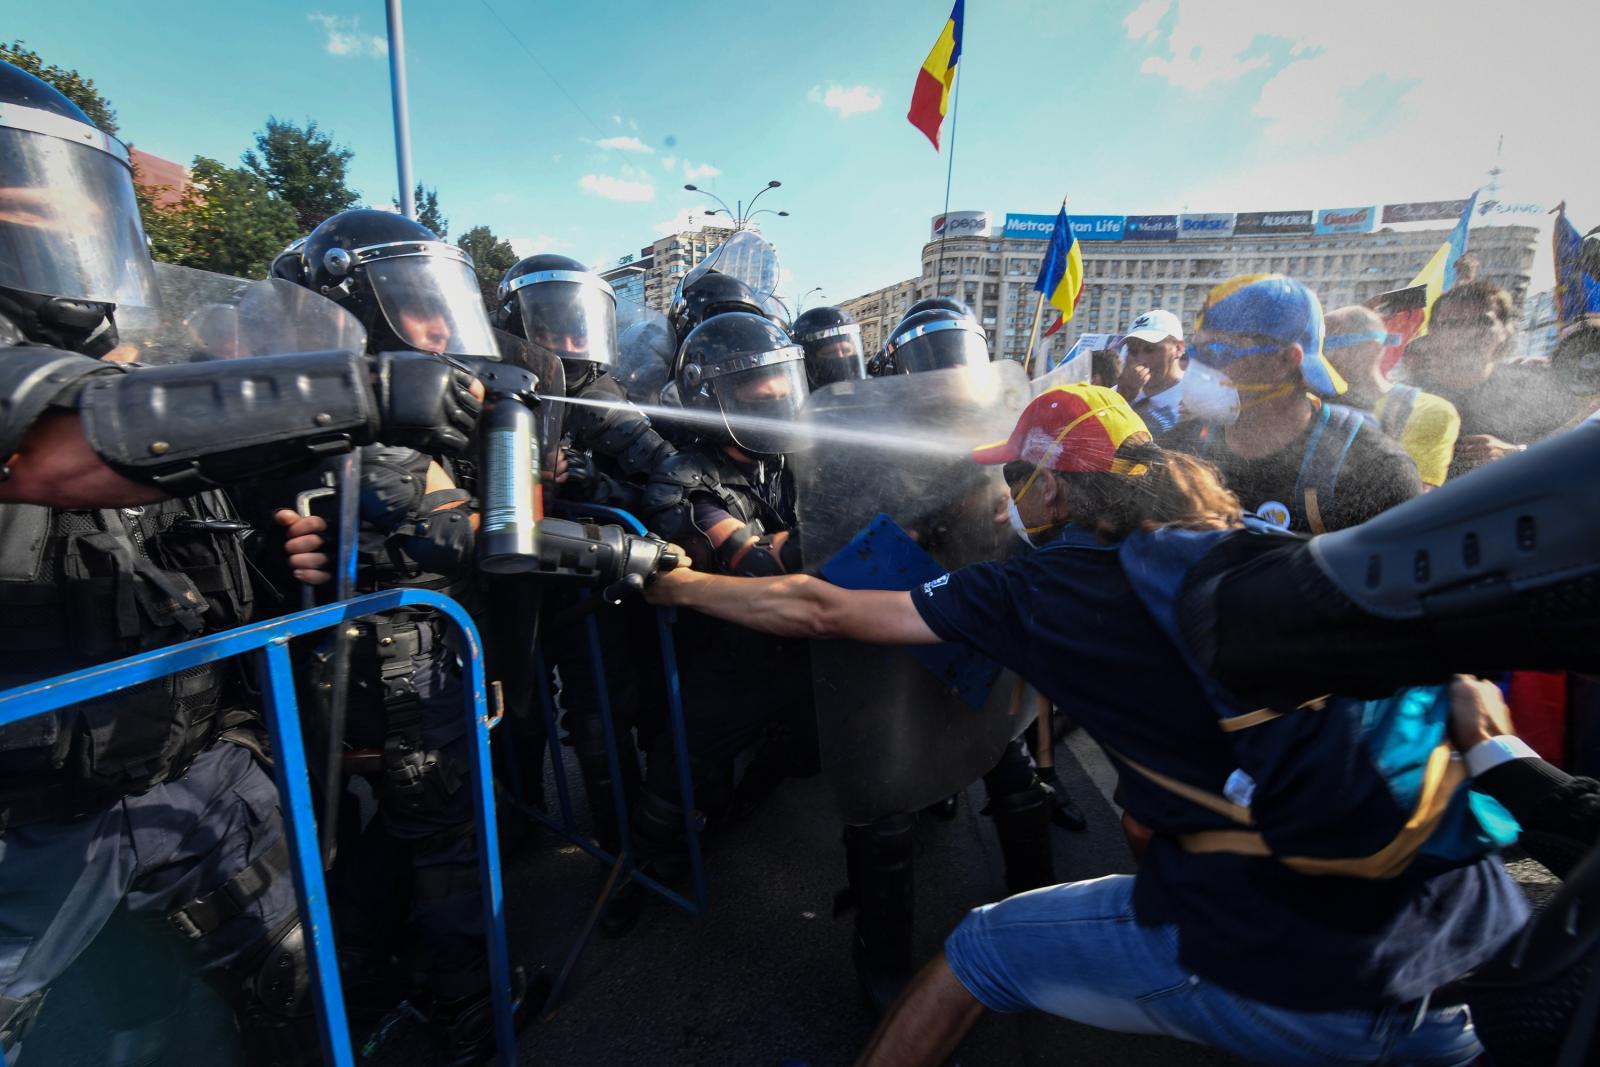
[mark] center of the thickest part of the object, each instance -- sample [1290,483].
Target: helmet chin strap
[82,326]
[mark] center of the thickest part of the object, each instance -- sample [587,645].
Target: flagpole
[1038,311]
[949,174]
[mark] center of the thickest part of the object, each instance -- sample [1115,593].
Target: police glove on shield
[426,402]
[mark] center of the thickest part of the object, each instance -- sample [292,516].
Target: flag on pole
[1406,310]
[1440,273]
[1061,320]
[1576,293]
[1061,275]
[930,99]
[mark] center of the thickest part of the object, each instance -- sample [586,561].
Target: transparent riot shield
[645,352]
[899,731]
[217,316]
[747,256]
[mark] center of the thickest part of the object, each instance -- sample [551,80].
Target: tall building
[1135,263]
[879,310]
[1540,331]
[652,276]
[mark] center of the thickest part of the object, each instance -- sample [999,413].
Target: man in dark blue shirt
[1237,951]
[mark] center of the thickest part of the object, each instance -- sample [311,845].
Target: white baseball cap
[1155,326]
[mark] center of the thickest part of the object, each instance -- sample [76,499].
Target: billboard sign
[1150,228]
[1347,219]
[1424,211]
[1084,227]
[1216,224]
[1272,223]
[961,224]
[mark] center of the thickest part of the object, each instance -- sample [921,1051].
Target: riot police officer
[952,349]
[116,541]
[832,341]
[729,500]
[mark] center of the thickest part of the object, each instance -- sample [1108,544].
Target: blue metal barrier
[293,776]
[624,867]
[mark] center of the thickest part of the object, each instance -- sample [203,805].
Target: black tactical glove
[425,402]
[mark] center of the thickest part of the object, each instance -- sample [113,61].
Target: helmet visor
[69,223]
[570,315]
[939,345]
[760,406]
[835,355]
[433,304]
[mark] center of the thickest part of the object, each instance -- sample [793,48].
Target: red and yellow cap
[1071,428]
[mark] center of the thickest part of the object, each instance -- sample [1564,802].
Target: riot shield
[899,730]
[644,352]
[747,256]
[216,316]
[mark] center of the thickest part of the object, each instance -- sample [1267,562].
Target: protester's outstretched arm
[797,605]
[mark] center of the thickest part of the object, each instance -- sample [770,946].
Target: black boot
[658,835]
[879,859]
[1063,812]
[466,1023]
[1022,820]
[586,734]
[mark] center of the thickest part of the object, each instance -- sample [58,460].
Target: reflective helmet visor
[432,302]
[760,406]
[834,355]
[69,223]
[570,314]
[937,345]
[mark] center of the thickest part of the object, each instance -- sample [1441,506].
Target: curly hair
[1177,490]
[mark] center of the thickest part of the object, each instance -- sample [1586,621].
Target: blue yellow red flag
[1440,273]
[930,99]
[1061,274]
[1576,293]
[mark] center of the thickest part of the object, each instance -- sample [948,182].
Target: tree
[228,221]
[73,86]
[302,167]
[491,258]
[428,213]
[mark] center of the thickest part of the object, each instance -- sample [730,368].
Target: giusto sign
[1218,224]
[1271,223]
[1150,228]
[1347,219]
[961,224]
[1505,207]
[1084,227]
[1424,211]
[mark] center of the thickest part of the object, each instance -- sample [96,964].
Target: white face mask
[1017,525]
[1209,396]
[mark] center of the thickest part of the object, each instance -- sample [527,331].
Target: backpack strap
[1394,409]
[1334,431]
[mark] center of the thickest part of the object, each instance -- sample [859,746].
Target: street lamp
[739,215]
[800,305]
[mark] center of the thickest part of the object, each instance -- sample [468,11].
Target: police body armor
[79,588]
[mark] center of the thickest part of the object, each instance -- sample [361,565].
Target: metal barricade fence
[281,710]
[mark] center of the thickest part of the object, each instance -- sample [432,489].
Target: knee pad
[274,1000]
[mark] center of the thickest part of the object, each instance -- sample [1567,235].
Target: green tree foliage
[73,86]
[228,221]
[428,213]
[491,258]
[303,168]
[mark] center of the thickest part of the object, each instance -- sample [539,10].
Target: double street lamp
[742,213]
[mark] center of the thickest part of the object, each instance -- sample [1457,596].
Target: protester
[1105,367]
[1239,951]
[1504,407]
[1425,425]
[1575,364]
[1152,376]
[1259,400]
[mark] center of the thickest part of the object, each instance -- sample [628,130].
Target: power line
[540,64]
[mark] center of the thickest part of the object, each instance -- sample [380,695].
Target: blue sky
[1131,107]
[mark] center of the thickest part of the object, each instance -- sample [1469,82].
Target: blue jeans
[1075,951]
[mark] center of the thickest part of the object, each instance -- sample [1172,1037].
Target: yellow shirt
[1426,427]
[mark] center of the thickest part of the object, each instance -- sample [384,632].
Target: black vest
[79,588]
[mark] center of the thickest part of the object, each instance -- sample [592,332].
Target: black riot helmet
[713,293]
[832,342]
[560,306]
[934,340]
[72,248]
[408,288]
[939,303]
[743,367]
[289,265]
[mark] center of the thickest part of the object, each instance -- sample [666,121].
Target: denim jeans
[1075,951]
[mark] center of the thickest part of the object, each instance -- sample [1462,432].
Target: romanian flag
[1061,275]
[931,97]
[1576,293]
[1440,273]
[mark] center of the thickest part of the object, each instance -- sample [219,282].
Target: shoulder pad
[34,378]
[678,476]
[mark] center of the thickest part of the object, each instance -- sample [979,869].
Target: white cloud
[617,119]
[853,100]
[695,171]
[528,246]
[1387,101]
[624,144]
[346,39]
[669,162]
[685,220]
[611,188]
